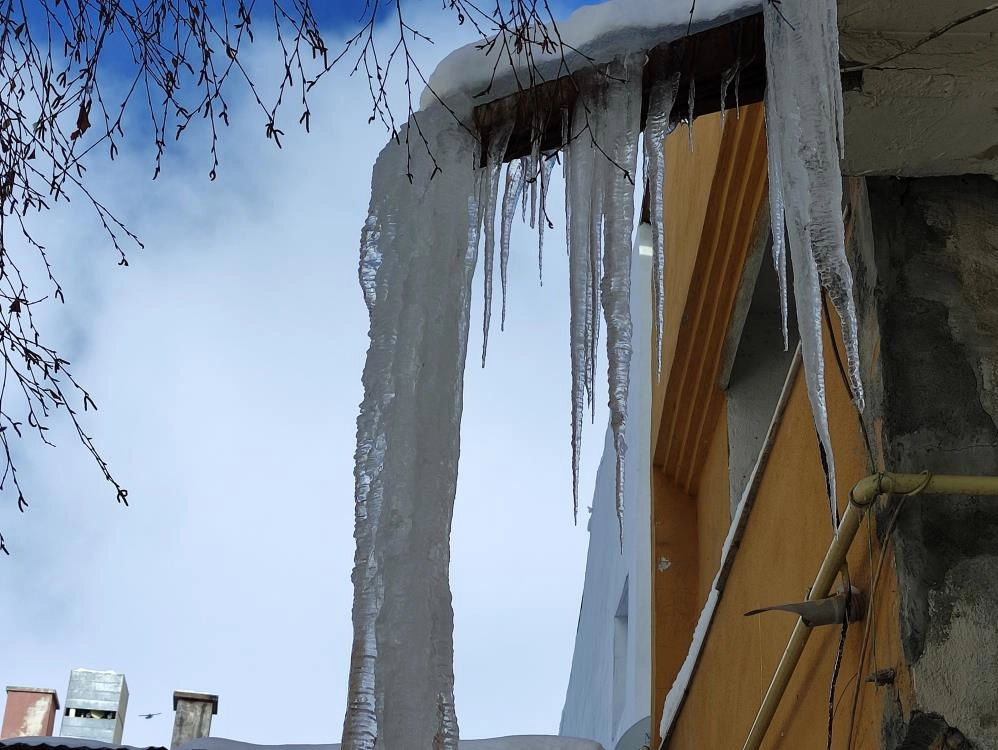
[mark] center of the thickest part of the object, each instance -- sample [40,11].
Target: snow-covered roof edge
[598,32]
[68,743]
[517,742]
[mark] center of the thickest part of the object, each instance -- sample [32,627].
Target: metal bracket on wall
[832,610]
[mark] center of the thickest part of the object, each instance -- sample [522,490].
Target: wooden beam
[701,59]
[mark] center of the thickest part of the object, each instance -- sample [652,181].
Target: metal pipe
[861,498]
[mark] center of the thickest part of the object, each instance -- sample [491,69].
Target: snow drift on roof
[598,32]
[65,743]
[524,742]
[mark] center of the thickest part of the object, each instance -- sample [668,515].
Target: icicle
[600,168]
[525,168]
[691,100]
[661,100]
[513,192]
[546,170]
[578,165]
[804,114]
[401,673]
[620,136]
[777,213]
[566,139]
[600,215]
[497,150]
[537,133]
[370,260]
[727,77]
[738,88]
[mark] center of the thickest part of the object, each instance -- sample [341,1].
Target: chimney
[95,706]
[193,719]
[30,712]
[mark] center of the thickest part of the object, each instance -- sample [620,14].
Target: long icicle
[620,133]
[804,116]
[777,214]
[416,279]
[578,164]
[496,151]
[512,194]
[661,101]
[546,170]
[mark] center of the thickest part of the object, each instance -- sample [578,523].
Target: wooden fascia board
[701,58]
[692,395]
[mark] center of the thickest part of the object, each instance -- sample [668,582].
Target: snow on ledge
[67,743]
[600,32]
[518,742]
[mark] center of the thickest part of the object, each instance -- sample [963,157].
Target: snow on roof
[598,32]
[64,743]
[524,742]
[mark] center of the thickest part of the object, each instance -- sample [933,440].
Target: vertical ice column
[513,192]
[804,120]
[488,192]
[416,276]
[602,161]
[661,99]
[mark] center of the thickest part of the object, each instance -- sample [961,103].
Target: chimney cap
[47,691]
[190,695]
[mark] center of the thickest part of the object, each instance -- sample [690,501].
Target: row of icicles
[598,162]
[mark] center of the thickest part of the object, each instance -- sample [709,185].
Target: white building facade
[610,683]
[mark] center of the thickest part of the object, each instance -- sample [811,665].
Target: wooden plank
[701,58]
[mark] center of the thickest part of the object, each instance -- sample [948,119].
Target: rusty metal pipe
[862,496]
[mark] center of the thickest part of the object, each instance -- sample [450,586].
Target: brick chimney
[30,712]
[193,718]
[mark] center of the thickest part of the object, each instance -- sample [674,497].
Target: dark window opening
[758,371]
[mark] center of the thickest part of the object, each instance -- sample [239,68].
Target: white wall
[590,704]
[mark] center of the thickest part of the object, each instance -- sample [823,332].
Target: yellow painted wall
[785,539]
[713,506]
[675,577]
[687,192]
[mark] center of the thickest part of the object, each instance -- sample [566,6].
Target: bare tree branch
[71,70]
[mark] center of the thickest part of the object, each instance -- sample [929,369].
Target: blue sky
[226,363]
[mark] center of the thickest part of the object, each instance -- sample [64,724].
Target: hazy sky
[226,363]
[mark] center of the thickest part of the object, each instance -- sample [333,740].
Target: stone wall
[933,285]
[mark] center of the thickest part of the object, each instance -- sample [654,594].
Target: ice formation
[619,135]
[488,196]
[597,32]
[657,126]
[416,276]
[545,178]
[805,133]
[515,178]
